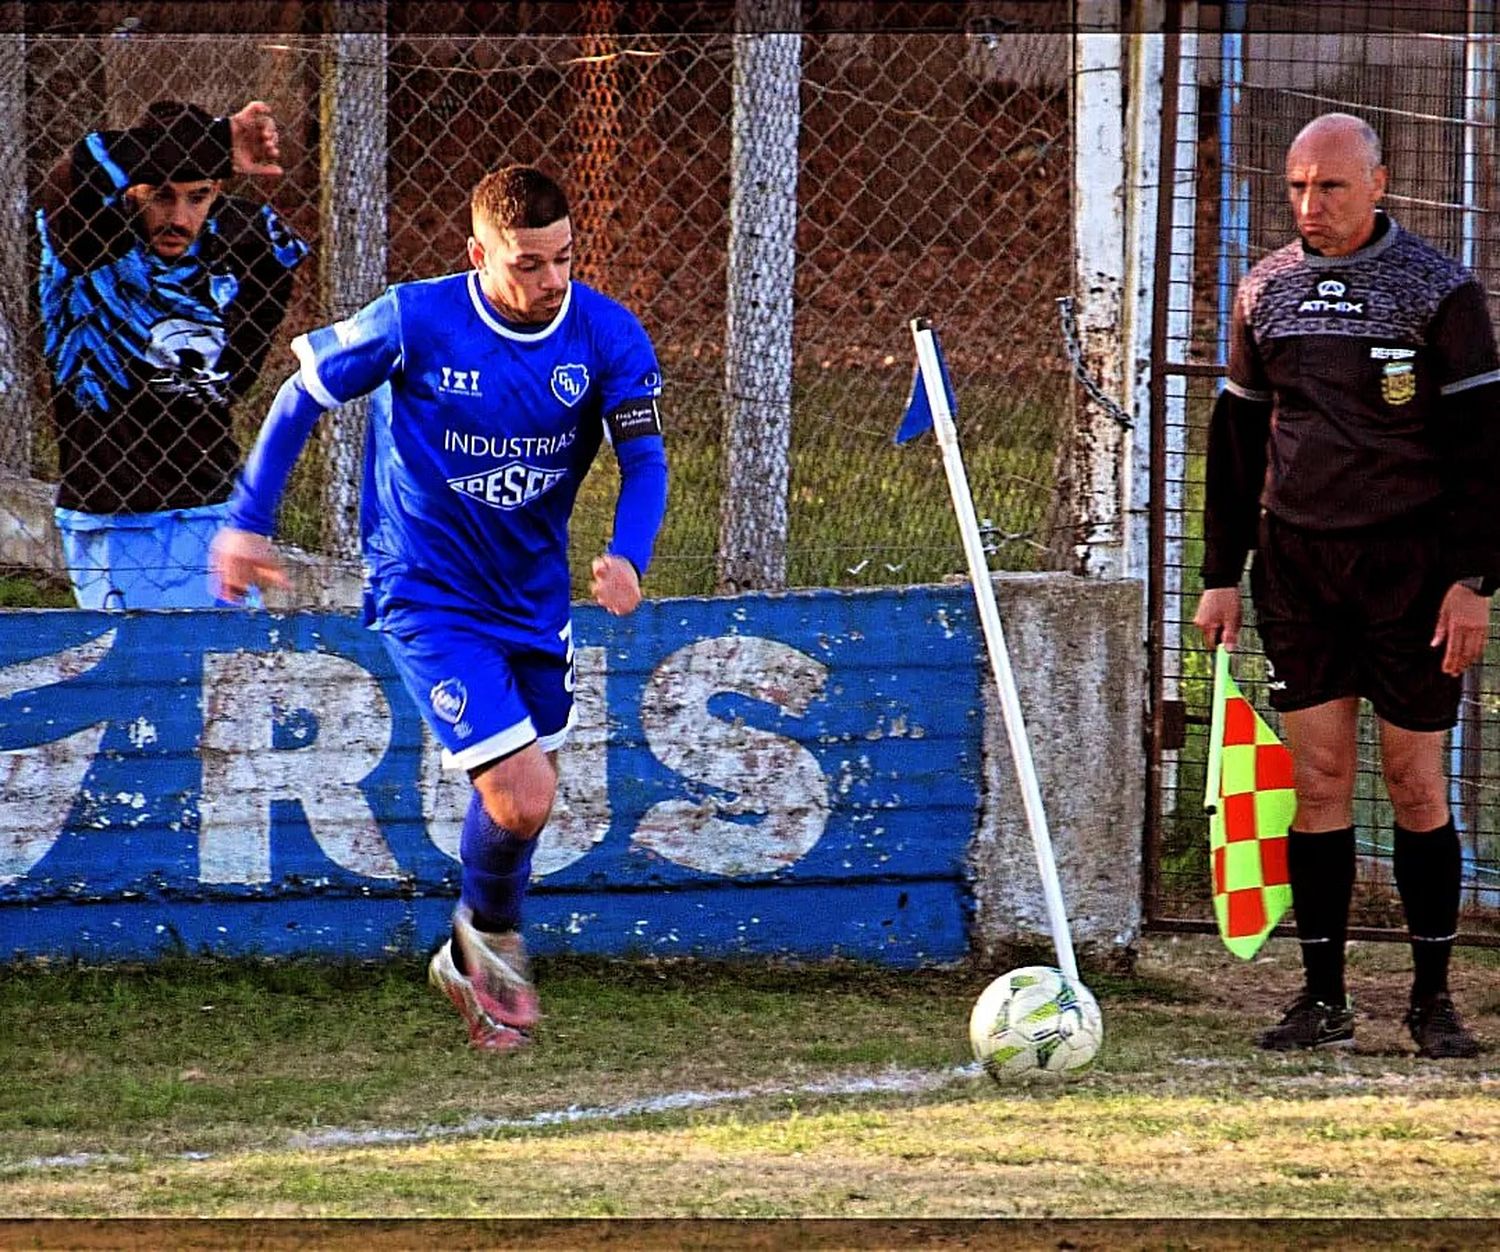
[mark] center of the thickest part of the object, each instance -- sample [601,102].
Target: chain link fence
[775,201]
[1248,78]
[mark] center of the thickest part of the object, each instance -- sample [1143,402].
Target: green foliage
[35,589]
[862,511]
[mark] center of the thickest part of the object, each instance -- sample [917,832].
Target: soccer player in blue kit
[492,391]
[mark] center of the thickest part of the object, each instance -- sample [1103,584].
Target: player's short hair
[518,197]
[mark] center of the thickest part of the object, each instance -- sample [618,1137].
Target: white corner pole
[994,636]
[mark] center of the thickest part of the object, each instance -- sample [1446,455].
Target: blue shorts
[141,560]
[485,697]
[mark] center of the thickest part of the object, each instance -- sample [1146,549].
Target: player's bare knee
[522,813]
[519,791]
[531,814]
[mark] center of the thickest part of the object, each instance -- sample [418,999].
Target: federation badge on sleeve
[1398,382]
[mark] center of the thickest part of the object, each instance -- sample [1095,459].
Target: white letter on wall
[38,785]
[243,772]
[763,774]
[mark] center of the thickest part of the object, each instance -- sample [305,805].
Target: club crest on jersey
[1331,299]
[1398,382]
[449,699]
[459,382]
[569,382]
[508,486]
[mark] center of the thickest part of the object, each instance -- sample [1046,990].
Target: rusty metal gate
[1241,80]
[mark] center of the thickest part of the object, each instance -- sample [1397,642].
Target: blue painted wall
[794,775]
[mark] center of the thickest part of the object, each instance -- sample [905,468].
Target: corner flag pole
[931,369]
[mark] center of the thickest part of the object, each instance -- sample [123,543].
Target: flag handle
[989,618]
[1216,732]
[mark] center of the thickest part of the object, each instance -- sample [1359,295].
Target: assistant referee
[1356,449]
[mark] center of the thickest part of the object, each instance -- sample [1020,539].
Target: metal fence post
[352,255]
[17,398]
[761,269]
[1143,192]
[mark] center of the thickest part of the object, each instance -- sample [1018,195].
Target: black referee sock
[1321,869]
[1428,867]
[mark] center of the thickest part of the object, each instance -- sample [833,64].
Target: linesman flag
[1250,805]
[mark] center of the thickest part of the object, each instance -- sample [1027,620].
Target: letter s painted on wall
[756,773]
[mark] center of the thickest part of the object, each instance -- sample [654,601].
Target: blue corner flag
[918,416]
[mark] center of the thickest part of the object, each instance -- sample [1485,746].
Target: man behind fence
[1356,448]
[159,297]
[493,390]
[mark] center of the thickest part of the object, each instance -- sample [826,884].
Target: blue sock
[496,869]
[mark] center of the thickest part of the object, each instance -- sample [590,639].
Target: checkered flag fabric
[1250,805]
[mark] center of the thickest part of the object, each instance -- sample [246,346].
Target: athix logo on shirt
[1331,300]
[507,486]
[459,382]
[569,382]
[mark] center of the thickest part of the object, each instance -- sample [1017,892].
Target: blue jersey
[480,435]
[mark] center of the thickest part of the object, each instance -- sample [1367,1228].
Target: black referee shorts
[1351,613]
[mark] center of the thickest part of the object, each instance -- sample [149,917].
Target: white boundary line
[890,1082]
[893,1081]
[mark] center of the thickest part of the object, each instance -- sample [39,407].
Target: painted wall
[792,775]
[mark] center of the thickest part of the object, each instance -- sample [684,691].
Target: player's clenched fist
[239,560]
[615,585]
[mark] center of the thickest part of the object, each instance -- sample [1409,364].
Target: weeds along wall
[774,210]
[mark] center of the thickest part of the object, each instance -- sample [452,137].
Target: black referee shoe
[1311,1023]
[1438,1030]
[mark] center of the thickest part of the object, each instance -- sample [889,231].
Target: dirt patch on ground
[1379,978]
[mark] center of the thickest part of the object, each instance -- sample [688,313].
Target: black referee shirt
[1362,358]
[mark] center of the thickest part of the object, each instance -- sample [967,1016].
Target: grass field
[748,1091]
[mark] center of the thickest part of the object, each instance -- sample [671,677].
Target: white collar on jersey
[487,314]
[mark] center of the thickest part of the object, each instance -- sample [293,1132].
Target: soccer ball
[1035,1018]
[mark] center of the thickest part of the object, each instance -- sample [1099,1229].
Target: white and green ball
[1035,1019]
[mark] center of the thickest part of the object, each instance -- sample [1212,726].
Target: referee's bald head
[1345,126]
[1334,181]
